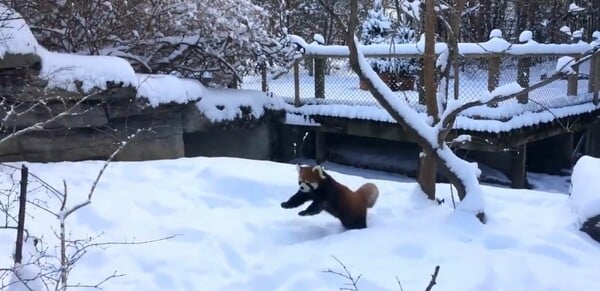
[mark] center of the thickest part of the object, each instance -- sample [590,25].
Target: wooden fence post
[518,167]
[596,98]
[297,83]
[572,83]
[592,73]
[523,72]
[320,67]
[21,221]
[493,75]
[264,82]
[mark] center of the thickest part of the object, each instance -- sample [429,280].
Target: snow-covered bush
[229,38]
[377,28]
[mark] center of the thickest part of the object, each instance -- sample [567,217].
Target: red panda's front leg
[313,209]
[296,200]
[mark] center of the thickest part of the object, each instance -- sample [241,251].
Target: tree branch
[433,278]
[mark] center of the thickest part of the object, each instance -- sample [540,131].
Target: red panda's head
[309,177]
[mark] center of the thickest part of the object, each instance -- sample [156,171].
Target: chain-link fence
[340,85]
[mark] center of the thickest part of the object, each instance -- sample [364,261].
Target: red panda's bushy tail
[369,193]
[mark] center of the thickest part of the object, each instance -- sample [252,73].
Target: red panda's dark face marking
[309,178]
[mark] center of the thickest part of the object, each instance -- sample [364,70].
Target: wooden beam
[321,146]
[518,170]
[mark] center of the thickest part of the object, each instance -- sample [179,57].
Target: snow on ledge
[15,35]
[585,192]
[161,89]
[62,70]
[221,104]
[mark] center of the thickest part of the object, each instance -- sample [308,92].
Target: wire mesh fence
[340,85]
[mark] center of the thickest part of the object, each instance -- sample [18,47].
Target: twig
[346,275]
[97,286]
[433,278]
[399,283]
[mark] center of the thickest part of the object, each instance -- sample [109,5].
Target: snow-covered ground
[233,235]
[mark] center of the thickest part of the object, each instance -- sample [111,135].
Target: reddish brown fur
[350,207]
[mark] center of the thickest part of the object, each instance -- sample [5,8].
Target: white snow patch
[496,33]
[525,36]
[300,119]
[565,65]
[235,235]
[504,90]
[575,8]
[63,70]
[585,192]
[224,104]
[161,89]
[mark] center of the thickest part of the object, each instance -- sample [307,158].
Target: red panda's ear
[319,168]
[298,167]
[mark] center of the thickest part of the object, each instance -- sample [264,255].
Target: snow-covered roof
[503,118]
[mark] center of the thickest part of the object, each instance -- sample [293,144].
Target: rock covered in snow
[585,191]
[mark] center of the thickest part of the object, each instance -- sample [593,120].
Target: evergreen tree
[377,27]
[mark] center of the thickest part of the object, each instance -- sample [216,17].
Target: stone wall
[94,129]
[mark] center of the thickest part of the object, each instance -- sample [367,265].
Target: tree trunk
[427,174]
[428,168]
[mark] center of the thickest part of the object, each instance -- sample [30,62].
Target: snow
[493,45]
[221,104]
[504,90]
[319,38]
[62,70]
[525,36]
[26,276]
[575,8]
[299,119]
[161,89]
[15,35]
[233,235]
[496,33]
[585,192]
[565,65]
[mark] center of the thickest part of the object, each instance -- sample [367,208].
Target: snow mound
[15,35]
[585,192]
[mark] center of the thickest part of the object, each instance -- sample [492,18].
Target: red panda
[350,207]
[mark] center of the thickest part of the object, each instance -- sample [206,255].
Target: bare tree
[38,265]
